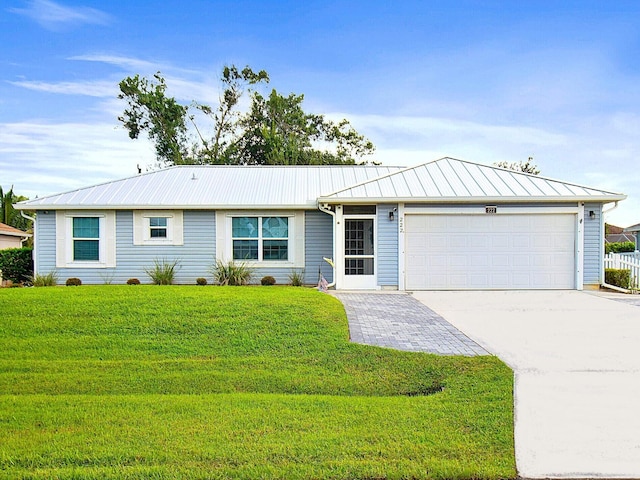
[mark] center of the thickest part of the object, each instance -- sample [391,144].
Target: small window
[158,227]
[260,238]
[86,239]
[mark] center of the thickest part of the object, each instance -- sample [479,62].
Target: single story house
[446,224]
[11,237]
[634,230]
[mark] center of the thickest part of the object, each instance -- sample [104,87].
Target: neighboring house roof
[633,228]
[619,237]
[12,232]
[237,187]
[219,186]
[455,180]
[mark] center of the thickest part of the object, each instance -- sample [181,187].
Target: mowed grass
[233,382]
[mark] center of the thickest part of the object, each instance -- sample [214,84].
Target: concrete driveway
[576,358]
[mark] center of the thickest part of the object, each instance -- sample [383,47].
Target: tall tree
[8,214]
[161,117]
[275,129]
[525,167]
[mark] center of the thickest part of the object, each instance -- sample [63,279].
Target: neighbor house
[446,224]
[634,231]
[11,237]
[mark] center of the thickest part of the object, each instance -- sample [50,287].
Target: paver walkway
[400,321]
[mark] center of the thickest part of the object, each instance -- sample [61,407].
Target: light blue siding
[387,252]
[45,242]
[318,244]
[195,257]
[593,247]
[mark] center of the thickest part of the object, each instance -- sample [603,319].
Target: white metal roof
[452,180]
[215,186]
[250,187]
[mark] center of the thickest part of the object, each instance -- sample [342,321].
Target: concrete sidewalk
[576,358]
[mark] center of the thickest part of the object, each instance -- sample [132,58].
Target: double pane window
[86,239]
[158,227]
[260,238]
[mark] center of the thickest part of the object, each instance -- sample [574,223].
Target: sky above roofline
[476,80]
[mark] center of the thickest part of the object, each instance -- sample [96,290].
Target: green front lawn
[245,382]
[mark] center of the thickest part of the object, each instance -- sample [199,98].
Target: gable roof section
[12,232]
[220,186]
[452,180]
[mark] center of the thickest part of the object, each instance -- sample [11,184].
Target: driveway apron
[576,358]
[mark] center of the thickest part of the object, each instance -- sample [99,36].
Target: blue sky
[484,81]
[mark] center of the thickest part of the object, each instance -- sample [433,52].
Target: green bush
[231,273]
[163,271]
[201,281]
[133,281]
[618,277]
[16,264]
[296,277]
[47,280]
[268,280]
[618,247]
[73,282]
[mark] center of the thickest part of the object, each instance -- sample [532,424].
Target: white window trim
[142,227]
[64,239]
[296,253]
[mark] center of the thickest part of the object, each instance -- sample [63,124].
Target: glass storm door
[359,255]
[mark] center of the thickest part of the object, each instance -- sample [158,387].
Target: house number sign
[490,209]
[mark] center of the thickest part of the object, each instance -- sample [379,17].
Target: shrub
[163,272]
[618,277]
[231,273]
[73,282]
[268,280]
[296,277]
[47,280]
[201,281]
[133,281]
[16,264]
[618,247]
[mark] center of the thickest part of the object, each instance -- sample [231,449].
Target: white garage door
[450,252]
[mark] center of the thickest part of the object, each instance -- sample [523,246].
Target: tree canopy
[525,167]
[275,130]
[8,214]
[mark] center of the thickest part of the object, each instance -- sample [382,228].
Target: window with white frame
[85,239]
[260,238]
[156,227]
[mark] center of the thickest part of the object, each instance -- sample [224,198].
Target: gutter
[324,207]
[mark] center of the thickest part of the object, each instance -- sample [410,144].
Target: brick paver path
[400,321]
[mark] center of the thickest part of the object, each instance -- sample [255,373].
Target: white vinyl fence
[625,261]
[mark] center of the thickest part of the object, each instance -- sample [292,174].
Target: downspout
[324,207]
[33,253]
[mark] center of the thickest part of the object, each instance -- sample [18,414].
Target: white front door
[359,252]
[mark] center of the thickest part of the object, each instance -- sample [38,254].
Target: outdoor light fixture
[592,214]
[391,216]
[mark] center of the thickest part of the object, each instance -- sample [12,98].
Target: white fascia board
[310,206]
[515,199]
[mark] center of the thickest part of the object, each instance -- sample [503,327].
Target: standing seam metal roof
[251,187]
[458,180]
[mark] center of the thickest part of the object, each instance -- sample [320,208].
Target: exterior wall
[593,245]
[196,256]
[318,244]
[387,246]
[9,241]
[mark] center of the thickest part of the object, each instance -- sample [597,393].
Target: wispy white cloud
[127,63]
[54,16]
[94,88]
